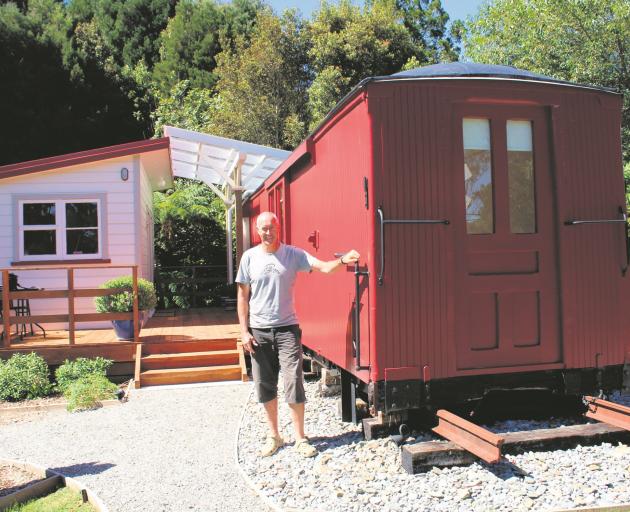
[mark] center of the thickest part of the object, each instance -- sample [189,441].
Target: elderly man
[269,325]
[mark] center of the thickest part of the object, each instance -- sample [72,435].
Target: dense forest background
[80,74]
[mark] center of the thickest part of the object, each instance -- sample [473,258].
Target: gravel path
[165,450]
[350,474]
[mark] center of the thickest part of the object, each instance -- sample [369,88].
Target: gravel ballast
[167,449]
[352,474]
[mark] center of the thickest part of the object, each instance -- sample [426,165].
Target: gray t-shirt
[271,277]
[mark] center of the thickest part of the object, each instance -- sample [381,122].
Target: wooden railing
[70,293]
[190,282]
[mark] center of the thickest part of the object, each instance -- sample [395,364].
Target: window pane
[478,176]
[521,177]
[82,241]
[81,215]
[40,242]
[38,214]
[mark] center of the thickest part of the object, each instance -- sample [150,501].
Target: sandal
[305,448]
[272,445]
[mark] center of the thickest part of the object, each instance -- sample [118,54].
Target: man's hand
[351,257]
[248,342]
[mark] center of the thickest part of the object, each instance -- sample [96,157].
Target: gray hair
[265,216]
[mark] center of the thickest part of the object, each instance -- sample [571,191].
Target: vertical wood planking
[6,311]
[71,323]
[136,315]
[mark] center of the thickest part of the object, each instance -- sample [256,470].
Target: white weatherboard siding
[119,224]
[145,233]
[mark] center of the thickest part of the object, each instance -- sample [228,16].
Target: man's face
[268,230]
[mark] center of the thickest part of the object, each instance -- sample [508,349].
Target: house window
[65,229]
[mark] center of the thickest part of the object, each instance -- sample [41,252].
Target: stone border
[266,499]
[44,487]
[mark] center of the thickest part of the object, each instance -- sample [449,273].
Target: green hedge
[87,392]
[71,371]
[24,376]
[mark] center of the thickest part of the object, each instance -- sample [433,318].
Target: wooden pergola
[233,169]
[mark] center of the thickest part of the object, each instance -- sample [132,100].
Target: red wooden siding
[415,320]
[328,215]
[590,186]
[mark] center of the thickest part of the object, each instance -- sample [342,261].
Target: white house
[95,207]
[85,208]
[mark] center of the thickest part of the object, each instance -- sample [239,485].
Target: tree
[190,222]
[350,43]
[584,41]
[261,89]
[193,38]
[129,28]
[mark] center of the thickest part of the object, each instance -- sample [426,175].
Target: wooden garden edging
[70,293]
[52,480]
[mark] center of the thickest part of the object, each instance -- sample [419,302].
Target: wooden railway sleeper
[607,412]
[472,438]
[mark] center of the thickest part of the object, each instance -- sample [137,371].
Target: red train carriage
[488,206]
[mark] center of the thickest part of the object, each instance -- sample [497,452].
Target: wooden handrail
[70,294]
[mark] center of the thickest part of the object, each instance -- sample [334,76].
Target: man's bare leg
[297,415]
[271,408]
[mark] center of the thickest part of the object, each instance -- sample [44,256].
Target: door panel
[506,299]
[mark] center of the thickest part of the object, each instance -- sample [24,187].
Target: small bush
[71,371]
[123,302]
[87,392]
[24,376]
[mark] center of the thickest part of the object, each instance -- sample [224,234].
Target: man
[269,326]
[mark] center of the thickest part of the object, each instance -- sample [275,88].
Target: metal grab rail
[384,221]
[356,331]
[623,219]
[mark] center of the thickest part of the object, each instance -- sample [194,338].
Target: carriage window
[478,176]
[521,177]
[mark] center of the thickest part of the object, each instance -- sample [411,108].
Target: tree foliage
[585,41]
[194,37]
[261,92]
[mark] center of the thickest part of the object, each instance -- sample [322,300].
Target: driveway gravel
[167,449]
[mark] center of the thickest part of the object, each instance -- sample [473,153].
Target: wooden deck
[192,325]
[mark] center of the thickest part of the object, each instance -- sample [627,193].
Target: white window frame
[59,227]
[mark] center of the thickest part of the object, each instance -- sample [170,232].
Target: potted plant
[123,302]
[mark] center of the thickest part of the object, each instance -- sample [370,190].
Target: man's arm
[242,307]
[328,267]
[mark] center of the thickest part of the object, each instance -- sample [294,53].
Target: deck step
[191,375]
[190,359]
[179,346]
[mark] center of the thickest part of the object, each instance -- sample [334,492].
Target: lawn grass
[63,500]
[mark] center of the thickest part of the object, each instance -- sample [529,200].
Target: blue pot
[123,329]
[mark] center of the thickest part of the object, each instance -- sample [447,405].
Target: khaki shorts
[279,350]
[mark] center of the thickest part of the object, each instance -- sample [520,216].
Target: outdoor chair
[20,307]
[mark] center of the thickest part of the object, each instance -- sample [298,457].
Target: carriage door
[506,285]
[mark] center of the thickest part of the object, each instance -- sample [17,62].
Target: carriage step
[191,375]
[190,359]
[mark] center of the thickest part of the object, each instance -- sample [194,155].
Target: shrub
[87,392]
[123,302]
[24,376]
[71,371]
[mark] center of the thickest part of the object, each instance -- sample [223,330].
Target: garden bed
[34,409]
[28,487]
[14,477]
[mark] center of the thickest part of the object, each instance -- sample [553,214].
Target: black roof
[472,70]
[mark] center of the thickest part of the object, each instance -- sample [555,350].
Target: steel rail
[607,412]
[472,438]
